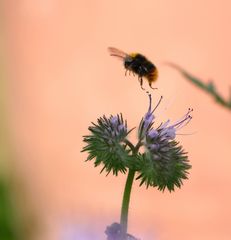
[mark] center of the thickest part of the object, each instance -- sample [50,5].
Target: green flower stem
[127,191]
[125,203]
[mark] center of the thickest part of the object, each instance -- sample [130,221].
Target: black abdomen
[140,65]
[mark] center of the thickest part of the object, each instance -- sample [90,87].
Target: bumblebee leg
[126,72]
[141,82]
[150,84]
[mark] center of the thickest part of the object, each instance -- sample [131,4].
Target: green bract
[106,144]
[164,169]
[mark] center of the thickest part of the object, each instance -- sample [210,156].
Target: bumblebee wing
[117,53]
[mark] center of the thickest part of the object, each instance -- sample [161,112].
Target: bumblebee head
[128,61]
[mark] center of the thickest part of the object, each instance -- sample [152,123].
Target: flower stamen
[185,116]
[183,122]
[157,104]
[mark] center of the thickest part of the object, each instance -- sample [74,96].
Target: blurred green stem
[207,87]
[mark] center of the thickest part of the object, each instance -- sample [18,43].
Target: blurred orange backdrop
[61,77]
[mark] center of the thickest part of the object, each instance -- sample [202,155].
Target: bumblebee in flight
[138,64]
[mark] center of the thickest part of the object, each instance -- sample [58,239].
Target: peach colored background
[61,78]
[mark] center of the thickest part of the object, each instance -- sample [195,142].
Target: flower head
[114,232]
[164,163]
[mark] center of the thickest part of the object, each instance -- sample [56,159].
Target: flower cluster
[163,164]
[113,232]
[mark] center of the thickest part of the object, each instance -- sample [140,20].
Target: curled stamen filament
[183,122]
[150,102]
[157,104]
[184,117]
[186,134]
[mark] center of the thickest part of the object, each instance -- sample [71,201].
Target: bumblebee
[137,64]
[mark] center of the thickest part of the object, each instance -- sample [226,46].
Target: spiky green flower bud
[106,144]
